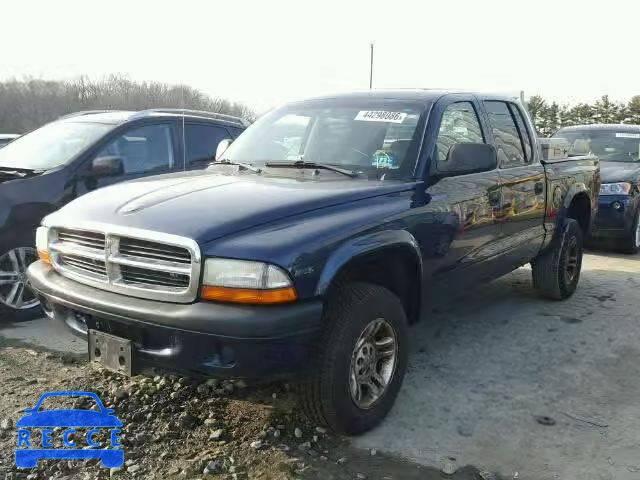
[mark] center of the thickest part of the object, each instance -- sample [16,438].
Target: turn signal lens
[249,295]
[44,256]
[42,244]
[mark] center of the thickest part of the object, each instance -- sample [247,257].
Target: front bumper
[202,338]
[616,216]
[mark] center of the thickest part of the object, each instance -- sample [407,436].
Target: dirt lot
[500,381]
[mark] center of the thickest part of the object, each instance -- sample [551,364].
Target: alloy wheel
[15,290]
[373,363]
[571,260]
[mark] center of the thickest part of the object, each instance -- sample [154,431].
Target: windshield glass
[365,136]
[52,145]
[608,145]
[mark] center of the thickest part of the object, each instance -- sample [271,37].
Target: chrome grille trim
[135,262]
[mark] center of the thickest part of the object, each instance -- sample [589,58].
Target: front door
[145,150]
[458,229]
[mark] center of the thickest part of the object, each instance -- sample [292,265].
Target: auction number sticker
[380,116]
[627,135]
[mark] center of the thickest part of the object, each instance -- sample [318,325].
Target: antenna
[371,68]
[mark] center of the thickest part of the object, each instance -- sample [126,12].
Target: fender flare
[574,190]
[363,245]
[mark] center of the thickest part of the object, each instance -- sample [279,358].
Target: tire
[556,271]
[631,243]
[326,394]
[13,264]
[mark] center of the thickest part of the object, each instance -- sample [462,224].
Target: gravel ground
[500,381]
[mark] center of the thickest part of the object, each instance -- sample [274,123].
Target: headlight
[242,281]
[42,244]
[622,188]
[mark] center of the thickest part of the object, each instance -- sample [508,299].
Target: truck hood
[205,206]
[612,172]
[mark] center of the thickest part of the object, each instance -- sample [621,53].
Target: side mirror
[222,147]
[465,158]
[108,166]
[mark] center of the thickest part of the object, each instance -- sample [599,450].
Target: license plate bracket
[112,352]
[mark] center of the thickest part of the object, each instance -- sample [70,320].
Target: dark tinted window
[506,136]
[524,133]
[145,149]
[459,124]
[201,142]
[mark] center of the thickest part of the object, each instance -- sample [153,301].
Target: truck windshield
[372,137]
[608,145]
[50,146]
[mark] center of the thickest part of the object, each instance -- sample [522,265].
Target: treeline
[549,117]
[28,104]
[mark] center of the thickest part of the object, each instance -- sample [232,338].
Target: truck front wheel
[355,381]
[556,270]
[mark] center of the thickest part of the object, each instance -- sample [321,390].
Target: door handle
[539,188]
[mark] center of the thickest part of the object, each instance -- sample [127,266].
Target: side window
[143,150]
[507,138]
[201,142]
[460,124]
[524,133]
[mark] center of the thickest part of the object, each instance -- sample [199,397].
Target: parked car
[618,147]
[6,138]
[65,159]
[325,247]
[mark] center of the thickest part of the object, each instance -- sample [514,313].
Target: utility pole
[371,68]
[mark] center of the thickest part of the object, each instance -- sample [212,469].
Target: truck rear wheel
[356,379]
[556,271]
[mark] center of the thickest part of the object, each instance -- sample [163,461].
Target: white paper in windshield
[627,135]
[380,116]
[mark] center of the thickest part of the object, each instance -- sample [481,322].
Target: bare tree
[27,104]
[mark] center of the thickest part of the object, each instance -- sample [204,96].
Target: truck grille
[128,263]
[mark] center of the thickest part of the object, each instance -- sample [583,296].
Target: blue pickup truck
[312,243]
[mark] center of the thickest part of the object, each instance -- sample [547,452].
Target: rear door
[200,143]
[521,213]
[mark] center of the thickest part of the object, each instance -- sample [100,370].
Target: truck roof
[604,126]
[415,94]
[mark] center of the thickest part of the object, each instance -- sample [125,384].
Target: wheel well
[395,268]
[580,210]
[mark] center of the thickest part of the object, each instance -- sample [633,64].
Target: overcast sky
[267,52]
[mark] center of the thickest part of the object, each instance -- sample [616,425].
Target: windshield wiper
[246,166]
[303,164]
[19,172]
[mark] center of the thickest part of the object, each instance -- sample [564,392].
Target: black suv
[79,153]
